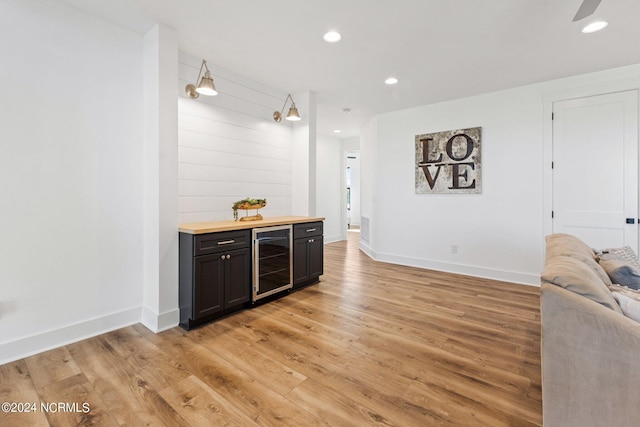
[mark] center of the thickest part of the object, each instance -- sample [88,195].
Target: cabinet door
[316,257]
[300,261]
[208,285]
[237,285]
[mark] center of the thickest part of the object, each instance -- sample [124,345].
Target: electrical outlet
[454,249]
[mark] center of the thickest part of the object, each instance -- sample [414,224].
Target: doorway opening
[352,180]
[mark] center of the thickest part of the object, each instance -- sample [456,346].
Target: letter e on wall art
[449,162]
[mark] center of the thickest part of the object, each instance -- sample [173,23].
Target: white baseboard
[468,270]
[367,250]
[331,239]
[44,341]
[159,322]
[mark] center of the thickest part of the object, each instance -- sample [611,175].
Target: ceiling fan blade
[586,9]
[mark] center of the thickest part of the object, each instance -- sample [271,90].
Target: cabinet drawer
[307,229]
[224,241]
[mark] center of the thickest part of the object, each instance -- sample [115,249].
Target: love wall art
[449,162]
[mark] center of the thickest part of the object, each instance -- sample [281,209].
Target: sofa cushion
[574,275]
[567,245]
[561,244]
[620,271]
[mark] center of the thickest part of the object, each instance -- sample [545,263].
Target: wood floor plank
[51,366]
[16,386]
[307,360]
[148,360]
[371,344]
[127,395]
[276,375]
[281,333]
[254,399]
[74,402]
[333,408]
[200,405]
[458,409]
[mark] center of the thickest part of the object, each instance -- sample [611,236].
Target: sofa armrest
[590,362]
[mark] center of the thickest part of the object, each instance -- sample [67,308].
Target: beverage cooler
[272,261]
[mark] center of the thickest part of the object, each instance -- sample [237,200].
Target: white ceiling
[438,49]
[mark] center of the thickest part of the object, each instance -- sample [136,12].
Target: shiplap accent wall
[230,147]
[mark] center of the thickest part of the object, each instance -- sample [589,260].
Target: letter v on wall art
[449,162]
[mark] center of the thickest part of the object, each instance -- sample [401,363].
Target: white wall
[303,157]
[230,147]
[70,176]
[329,186]
[499,233]
[368,186]
[160,199]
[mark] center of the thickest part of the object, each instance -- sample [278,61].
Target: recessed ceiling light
[391,81]
[337,131]
[594,26]
[332,37]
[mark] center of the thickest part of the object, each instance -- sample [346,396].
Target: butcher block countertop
[215,226]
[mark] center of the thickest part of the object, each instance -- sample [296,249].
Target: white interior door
[595,169]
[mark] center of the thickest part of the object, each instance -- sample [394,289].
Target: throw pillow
[630,306]
[624,253]
[633,293]
[620,271]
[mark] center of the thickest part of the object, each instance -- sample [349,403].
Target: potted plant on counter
[247,204]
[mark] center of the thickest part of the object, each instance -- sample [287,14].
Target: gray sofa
[590,350]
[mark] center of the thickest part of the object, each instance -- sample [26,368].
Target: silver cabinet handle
[226,242]
[310,230]
[228,256]
[222,257]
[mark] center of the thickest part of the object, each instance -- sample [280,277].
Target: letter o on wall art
[449,162]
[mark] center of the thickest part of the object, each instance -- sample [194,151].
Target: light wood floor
[372,344]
